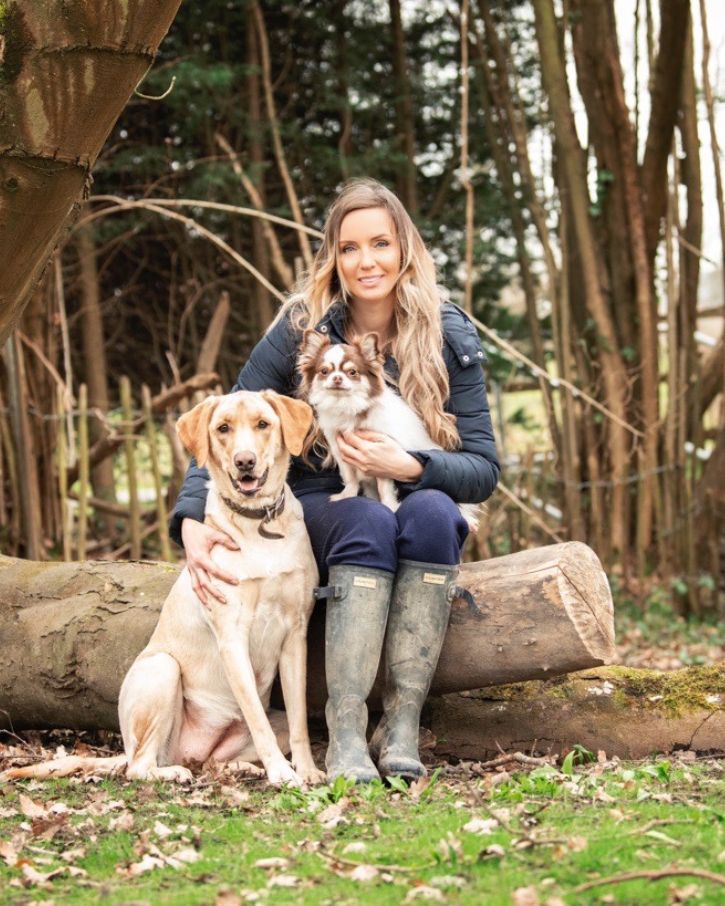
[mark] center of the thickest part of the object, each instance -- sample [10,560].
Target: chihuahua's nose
[245,460]
[337,379]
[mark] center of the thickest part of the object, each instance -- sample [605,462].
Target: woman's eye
[347,248]
[262,424]
[382,244]
[223,429]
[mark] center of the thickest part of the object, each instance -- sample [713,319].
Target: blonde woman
[389,575]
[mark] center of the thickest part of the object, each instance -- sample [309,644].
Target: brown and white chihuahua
[345,385]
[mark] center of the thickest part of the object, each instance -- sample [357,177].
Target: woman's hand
[199,539]
[378,455]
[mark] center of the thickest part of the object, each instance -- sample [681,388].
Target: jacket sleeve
[469,474]
[271,366]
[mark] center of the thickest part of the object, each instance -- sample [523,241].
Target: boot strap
[324,592]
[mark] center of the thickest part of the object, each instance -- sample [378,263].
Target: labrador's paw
[311,776]
[283,774]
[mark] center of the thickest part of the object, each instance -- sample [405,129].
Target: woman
[384,569]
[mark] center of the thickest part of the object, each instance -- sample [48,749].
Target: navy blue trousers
[427,527]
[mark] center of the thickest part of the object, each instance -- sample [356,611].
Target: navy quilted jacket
[468,475]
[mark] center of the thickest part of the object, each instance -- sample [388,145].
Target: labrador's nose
[245,460]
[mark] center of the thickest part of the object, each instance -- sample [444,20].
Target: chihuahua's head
[343,371]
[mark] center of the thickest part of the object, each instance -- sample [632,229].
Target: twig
[400,868]
[507,758]
[652,876]
[657,822]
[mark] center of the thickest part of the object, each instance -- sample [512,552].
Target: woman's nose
[367,259]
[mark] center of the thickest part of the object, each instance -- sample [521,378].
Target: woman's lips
[370,281]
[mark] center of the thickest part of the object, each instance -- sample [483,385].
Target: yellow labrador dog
[200,689]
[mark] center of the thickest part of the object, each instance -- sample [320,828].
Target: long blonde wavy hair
[417,342]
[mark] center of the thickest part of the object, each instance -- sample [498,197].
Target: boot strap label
[364,582]
[434,578]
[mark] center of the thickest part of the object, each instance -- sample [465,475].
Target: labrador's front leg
[234,653]
[293,675]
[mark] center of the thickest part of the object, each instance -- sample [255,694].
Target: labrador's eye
[262,424]
[223,429]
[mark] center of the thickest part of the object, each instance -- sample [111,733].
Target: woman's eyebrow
[372,239]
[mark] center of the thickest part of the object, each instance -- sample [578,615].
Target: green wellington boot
[357,611]
[417,624]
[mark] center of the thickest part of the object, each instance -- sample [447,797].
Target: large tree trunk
[71,630]
[66,73]
[625,712]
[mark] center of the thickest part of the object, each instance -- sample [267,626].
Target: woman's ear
[193,429]
[295,417]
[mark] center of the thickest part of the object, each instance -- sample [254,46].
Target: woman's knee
[431,528]
[363,532]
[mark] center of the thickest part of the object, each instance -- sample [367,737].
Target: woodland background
[558,180]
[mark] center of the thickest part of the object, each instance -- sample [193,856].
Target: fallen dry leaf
[162,830]
[357,846]
[122,822]
[525,896]
[31,809]
[445,881]
[227,898]
[272,862]
[331,816]
[364,873]
[147,863]
[283,881]
[8,853]
[424,893]
[481,826]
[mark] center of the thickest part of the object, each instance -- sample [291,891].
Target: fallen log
[71,630]
[625,712]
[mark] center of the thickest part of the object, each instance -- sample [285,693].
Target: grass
[470,839]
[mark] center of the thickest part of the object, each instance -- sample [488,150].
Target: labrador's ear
[295,416]
[193,429]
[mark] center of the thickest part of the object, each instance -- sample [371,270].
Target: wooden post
[134,522]
[66,523]
[83,470]
[166,552]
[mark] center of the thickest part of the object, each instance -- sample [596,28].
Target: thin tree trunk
[67,75]
[263,45]
[94,361]
[260,252]
[571,161]
[405,119]
[664,98]
[344,144]
[465,171]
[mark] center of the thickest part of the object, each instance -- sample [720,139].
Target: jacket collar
[333,322]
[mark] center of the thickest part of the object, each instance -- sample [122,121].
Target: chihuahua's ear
[313,342]
[193,429]
[295,417]
[370,347]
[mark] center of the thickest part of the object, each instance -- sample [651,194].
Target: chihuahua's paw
[345,494]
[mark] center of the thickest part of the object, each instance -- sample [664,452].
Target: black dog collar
[265,513]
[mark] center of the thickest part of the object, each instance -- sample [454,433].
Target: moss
[673,692]
[676,692]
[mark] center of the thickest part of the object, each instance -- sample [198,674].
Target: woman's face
[368,255]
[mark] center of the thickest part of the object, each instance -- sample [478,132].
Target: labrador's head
[245,439]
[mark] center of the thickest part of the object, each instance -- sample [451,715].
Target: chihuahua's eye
[352,372]
[223,429]
[262,424]
[324,371]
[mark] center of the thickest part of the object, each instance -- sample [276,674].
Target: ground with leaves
[516,833]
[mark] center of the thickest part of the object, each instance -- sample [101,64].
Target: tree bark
[66,73]
[625,712]
[71,630]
